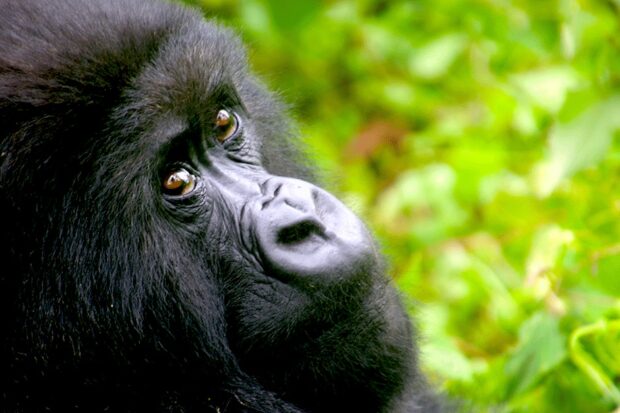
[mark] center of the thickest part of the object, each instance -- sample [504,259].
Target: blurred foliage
[477,137]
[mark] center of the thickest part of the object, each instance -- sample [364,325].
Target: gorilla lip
[302,230]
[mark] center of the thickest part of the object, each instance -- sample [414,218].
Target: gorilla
[165,248]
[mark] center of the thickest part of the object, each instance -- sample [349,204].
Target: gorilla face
[289,240]
[165,250]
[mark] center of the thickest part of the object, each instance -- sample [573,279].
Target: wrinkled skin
[252,290]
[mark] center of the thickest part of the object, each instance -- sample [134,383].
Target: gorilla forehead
[103,70]
[87,46]
[187,78]
[190,66]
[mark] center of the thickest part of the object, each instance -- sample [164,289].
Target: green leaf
[291,15]
[440,352]
[548,87]
[422,203]
[435,58]
[541,347]
[607,274]
[547,248]
[588,362]
[578,143]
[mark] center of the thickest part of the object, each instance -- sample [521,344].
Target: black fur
[115,297]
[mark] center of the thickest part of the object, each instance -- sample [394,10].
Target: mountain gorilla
[162,248]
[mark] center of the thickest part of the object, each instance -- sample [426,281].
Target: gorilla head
[162,248]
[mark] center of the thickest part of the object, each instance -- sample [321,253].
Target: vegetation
[477,137]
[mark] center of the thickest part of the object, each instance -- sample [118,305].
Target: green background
[477,139]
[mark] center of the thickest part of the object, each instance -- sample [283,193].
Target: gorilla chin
[167,248]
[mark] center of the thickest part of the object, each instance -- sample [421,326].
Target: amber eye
[179,182]
[226,125]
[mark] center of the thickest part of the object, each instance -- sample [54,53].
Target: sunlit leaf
[435,58]
[440,352]
[422,203]
[548,245]
[547,87]
[578,143]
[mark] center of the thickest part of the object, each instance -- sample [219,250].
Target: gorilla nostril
[299,205]
[270,189]
[301,231]
[271,186]
[276,192]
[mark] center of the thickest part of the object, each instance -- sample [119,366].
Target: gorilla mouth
[301,231]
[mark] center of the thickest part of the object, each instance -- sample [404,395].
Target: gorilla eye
[179,182]
[226,125]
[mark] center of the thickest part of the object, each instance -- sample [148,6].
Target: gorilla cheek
[307,238]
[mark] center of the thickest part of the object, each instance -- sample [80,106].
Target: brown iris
[179,182]
[226,125]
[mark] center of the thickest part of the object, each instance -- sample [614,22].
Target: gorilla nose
[304,232]
[294,204]
[293,193]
